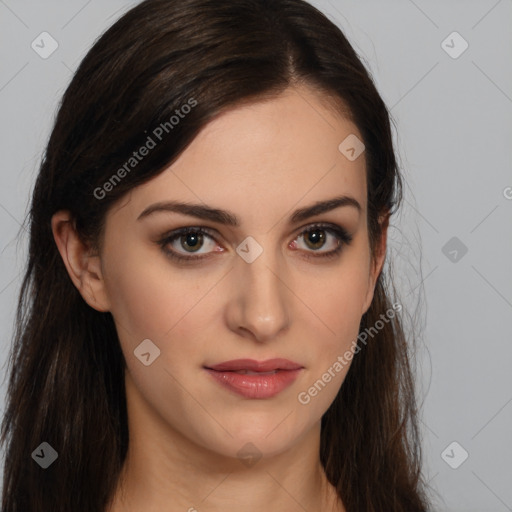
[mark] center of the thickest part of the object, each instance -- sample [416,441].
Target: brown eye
[315,239]
[191,240]
[317,236]
[187,241]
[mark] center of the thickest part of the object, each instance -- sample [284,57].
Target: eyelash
[337,231]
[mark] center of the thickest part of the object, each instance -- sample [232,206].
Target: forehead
[263,159]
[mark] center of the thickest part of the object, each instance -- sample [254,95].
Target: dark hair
[66,380]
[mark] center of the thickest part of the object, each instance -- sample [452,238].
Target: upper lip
[256,366]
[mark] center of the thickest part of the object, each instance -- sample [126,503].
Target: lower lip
[256,386]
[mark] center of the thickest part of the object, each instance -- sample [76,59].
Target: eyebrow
[219,216]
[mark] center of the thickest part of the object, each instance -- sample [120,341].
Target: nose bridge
[261,288]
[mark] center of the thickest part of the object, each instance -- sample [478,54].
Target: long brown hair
[66,374]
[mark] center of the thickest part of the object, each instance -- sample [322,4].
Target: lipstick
[254,379]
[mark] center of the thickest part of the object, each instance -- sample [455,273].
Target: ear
[84,267]
[377,261]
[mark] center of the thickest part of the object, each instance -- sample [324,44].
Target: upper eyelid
[213,231]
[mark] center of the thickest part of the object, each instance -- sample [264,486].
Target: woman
[204,321]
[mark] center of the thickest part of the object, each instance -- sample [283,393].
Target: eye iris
[192,240]
[316,237]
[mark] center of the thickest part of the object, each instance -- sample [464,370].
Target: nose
[259,308]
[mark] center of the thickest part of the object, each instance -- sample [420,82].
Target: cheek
[338,305]
[158,302]
[340,299]
[153,302]
[338,302]
[144,306]
[146,296]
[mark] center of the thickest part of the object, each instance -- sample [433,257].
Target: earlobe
[84,268]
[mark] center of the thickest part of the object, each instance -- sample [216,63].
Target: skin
[261,162]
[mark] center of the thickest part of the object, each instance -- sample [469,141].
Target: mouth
[253,379]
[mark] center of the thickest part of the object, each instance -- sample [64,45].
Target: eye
[190,240]
[184,244]
[316,237]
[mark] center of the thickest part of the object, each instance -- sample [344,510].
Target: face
[268,284]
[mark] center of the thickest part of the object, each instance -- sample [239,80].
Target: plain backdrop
[444,70]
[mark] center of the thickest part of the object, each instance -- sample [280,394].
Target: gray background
[453,118]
